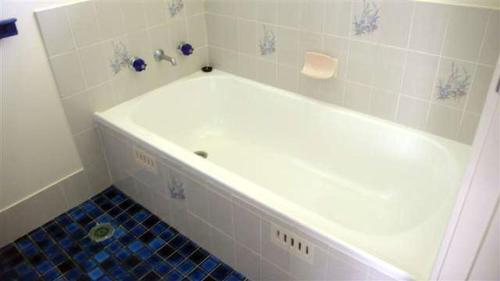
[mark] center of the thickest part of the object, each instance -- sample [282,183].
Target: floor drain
[101,232]
[201,153]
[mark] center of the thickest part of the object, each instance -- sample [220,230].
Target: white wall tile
[272,273]
[248,39]
[429,27]
[479,89]
[357,97]
[338,17]
[95,63]
[83,22]
[443,121]
[266,72]
[156,12]
[221,214]
[468,127]
[312,15]
[247,66]
[287,46]
[196,196]
[395,22]
[287,78]
[465,32]
[361,62]
[199,231]
[272,252]
[76,189]
[88,145]
[222,246]
[412,112]
[246,226]
[289,13]
[388,68]
[197,33]
[109,18]
[101,97]
[338,48]
[247,262]
[383,104]
[304,270]
[267,10]
[134,15]
[247,9]
[342,267]
[78,112]
[194,7]
[68,73]
[56,31]
[491,45]
[419,75]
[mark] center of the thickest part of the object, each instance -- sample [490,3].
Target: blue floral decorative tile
[456,85]
[367,22]
[175,7]
[267,43]
[142,248]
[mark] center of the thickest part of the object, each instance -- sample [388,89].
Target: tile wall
[81,40]
[228,225]
[424,65]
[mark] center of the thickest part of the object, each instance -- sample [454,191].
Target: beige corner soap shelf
[319,66]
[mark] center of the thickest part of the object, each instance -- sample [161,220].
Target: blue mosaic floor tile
[143,247]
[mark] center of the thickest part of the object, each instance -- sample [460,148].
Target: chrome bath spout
[159,55]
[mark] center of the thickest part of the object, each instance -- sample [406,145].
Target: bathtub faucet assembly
[159,55]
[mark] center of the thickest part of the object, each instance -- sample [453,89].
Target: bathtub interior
[397,178]
[382,188]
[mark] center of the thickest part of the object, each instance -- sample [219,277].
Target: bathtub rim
[277,207]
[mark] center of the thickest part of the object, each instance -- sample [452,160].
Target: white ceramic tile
[383,104]
[194,7]
[88,145]
[101,97]
[221,214]
[287,46]
[395,22]
[247,262]
[334,91]
[270,272]
[267,10]
[196,30]
[152,178]
[304,270]
[342,267]
[109,18]
[429,27]
[224,60]
[179,215]
[338,17]
[56,31]
[270,251]
[78,112]
[289,13]
[246,226]
[134,15]
[309,41]
[412,112]
[98,175]
[222,246]
[83,22]
[68,74]
[465,32]
[266,72]
[361,62]
[311,87]
[338,48]
[468,128]
[287,78]
[378,276]
[479,89]
[419,75]
[95,63]
[160,207]
[156,12]
[222,31]
[443,121]
[199,231]
[221,7]
[357,97]
[196,196]
[76,189]
[247,9]
[312,15]
[388,68]
[491,44]
[247,66]
[248,37]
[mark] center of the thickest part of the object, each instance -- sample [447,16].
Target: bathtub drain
[101,232]
[201,153]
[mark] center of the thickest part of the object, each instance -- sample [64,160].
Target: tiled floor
[142,248]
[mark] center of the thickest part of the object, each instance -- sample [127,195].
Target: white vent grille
[296,245]
[145,160]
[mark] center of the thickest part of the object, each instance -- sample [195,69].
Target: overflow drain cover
[101,232]
[201,153]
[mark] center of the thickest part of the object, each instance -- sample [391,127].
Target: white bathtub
[376,190]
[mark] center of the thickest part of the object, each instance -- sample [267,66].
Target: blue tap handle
[138,64]
[186,49]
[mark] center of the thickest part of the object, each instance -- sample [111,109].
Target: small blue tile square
[186,267]
[210,264]
[96,273]
[101,256]
[135,246]
[197,275]
[156,243]
[173,276]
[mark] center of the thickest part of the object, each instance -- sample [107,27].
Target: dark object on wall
[8,28]
[206,68]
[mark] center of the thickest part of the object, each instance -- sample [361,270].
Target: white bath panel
[296,245]
[145,160]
